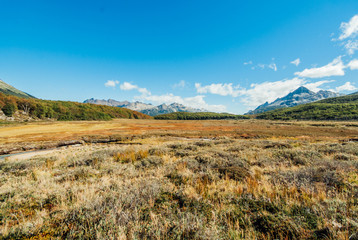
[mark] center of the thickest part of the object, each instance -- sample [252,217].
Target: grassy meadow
[181,180]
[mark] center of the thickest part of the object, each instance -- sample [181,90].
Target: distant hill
[31,108]
[10,90]
[337,108]
[145,108]
[300,96]
[199,116]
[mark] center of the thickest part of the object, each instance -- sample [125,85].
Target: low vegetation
[223,188]
[338,108]
[62,110]
[199,116]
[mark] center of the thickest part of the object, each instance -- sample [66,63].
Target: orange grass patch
[53,131]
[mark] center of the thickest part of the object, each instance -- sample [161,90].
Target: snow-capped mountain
[300,96]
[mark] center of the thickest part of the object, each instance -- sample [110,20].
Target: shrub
[9,108]
[149,162]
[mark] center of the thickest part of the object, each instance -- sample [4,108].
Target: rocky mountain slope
[300,96]
[145,108]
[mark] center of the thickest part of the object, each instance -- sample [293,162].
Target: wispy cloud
[334,68]
[180,84]
[349,32]
[272,66]
[349,29]
[223,89]
[111,83]
[296,62]
[262,66]
[351,46]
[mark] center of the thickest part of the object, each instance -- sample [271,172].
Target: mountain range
[145,108]
[300,96]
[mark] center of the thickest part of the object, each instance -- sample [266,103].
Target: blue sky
[220,55]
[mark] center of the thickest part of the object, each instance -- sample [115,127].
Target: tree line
[199,116]
[315,111]
[63,110]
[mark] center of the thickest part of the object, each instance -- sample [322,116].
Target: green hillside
[63,110]
[199,116]
[338,108]
[10,90]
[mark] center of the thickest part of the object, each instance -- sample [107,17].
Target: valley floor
[151,179]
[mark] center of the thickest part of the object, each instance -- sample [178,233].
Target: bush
[149,162]
[9,108]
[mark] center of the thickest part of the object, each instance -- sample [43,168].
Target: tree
[9,108]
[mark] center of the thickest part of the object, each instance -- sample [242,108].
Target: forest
[63,110]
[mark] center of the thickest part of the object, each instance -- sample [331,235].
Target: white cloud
[223,89]
[351,46]
[263,66]
[111,83]
[143,91]
[180,84]
[353,65]
[269,91]
[349,29]
[348,33]
[296,62]
[346,87]
[334,68]
[273,66]
[126,86]
[194,102]
[248,63]
[315,86]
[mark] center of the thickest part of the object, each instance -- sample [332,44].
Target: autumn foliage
[63,110]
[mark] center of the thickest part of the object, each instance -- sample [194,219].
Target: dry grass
[51,131]
[278,187]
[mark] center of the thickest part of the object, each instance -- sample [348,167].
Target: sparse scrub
[187,189]
[130,156]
